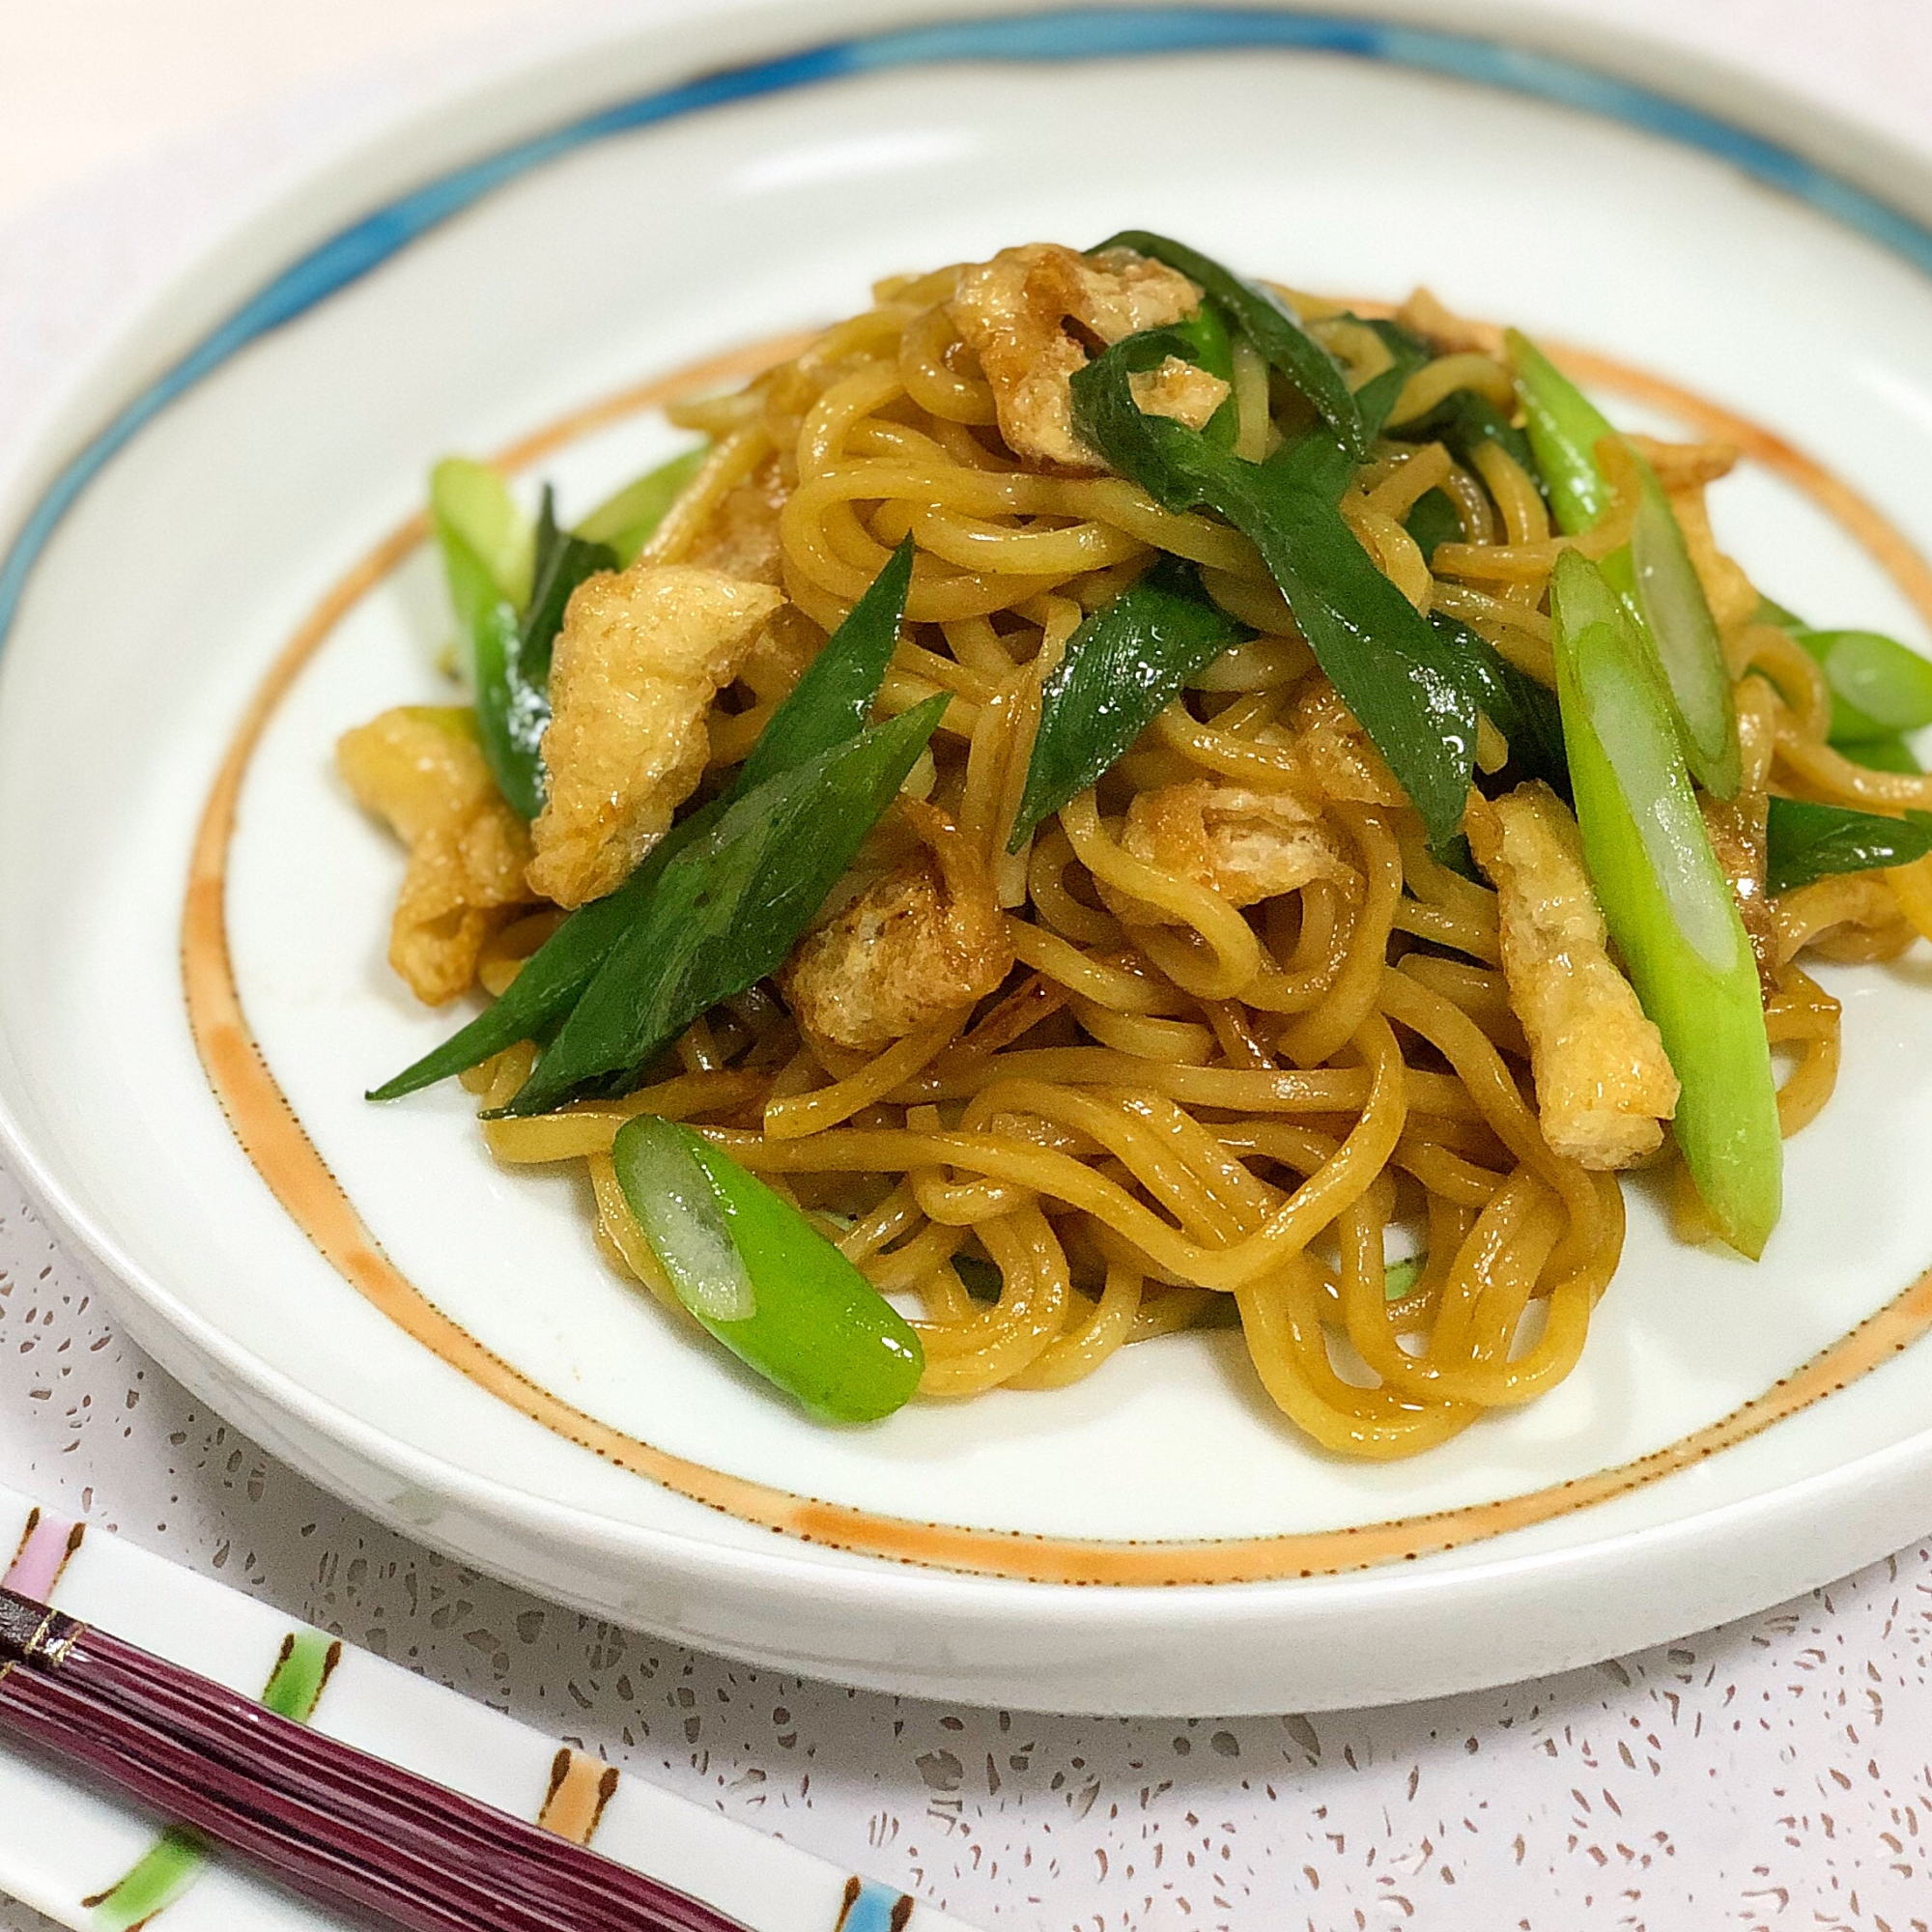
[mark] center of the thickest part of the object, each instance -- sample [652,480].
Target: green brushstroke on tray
[295,1686]
[178,1858]
[154,1882]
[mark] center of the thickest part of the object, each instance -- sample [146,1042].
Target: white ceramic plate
[1336,154]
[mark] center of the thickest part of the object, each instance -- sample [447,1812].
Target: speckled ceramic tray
[89,1861]
[224,578]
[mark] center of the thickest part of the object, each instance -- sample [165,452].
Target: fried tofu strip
[925,940]
[1604,1084]
[420,769]
[741,536]
[1181,392]
[1246,846]
[641,654]
[1327,741]
[1029,315]
[1450,333]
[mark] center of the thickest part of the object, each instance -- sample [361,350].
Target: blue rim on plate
[1057,35]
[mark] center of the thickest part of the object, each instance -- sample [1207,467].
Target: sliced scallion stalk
[1667,903]
[1878,686]
[472,502]
[758,1276]
[1653,573]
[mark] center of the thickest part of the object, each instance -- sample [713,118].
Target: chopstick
[326,1820]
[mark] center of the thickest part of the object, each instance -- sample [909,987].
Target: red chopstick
[326,1820]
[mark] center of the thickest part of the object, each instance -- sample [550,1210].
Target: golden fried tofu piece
[1604,1084]
[741,535]
[1447,331]
[1246,846]
[1330,744]
[925,939]
[1684,465]
[420,768]
[1180,390]
[1029,315]
[641,654]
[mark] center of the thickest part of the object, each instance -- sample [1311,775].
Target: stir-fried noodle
[1240,1040]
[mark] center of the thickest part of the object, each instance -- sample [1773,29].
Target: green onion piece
[487,553]
[1890,753]
[1768,611]
[1392,670]
[564,559]
[762,1279]
[1805,841]
[1865,681]
[980,1278]
[1432,520]
[1653,574]
[728,907]
[1399,1278]
[513,665]
[1564,428]
[1667,904]
[826,707]
[553,976]
[1122,666]
[472,503]
[1522,710]
[831,701]
[510,715]
[1377,397]
[626,520]
[1878,685]
[1463,421]
[1288,346]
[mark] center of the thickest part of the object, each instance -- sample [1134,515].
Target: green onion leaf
[1523,711]
[826,707]
[1463,421]
[762,1279]
[728,907]
[513,668]
[1122,666]
[1432,520]
[1377,397]
[626,520]
[831,701]
[563,560]
[1288,346]
[1667,903]
[1806,841]
[1392,670]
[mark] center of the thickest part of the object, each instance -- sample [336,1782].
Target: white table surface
[1771,1774]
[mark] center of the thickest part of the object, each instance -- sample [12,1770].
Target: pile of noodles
[1233,1118]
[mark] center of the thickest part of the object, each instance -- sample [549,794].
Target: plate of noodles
[1071,858]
